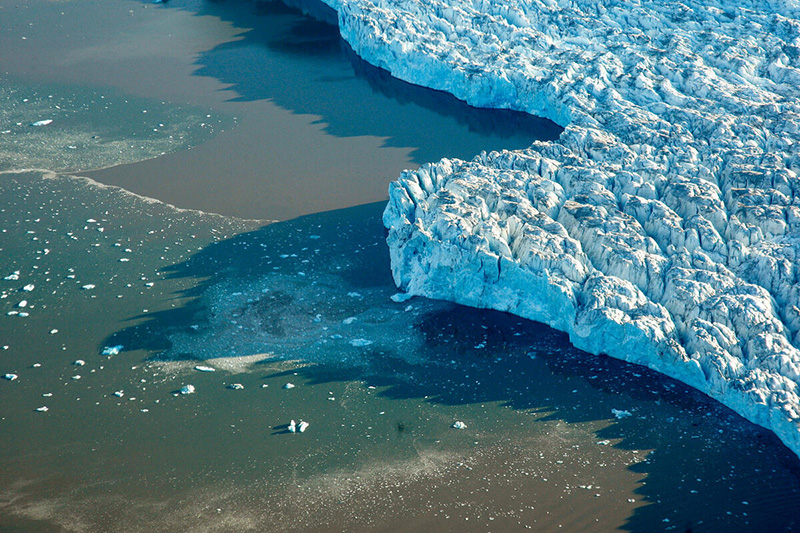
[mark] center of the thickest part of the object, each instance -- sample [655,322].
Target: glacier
[662,227]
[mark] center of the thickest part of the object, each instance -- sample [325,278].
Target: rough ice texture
[663,226]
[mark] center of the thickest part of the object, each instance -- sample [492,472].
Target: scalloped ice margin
[663,227]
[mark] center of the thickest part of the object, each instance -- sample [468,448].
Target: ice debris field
[662,227]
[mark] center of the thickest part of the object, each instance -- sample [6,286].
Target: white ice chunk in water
[79,362]
[236,386]
[119,394]
[44,122]
[360,342]
[88,287]
[292,426]
[289,386]
[458,424]
[43,409]
[187,389]
[29,287]
[301,427]
[10,377]
[23,303]
[112,350]
[620,414]
[349,320]
[14,276]
[201,368]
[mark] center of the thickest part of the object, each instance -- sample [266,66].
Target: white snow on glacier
[663,227]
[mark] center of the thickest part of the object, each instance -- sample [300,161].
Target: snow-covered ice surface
[662,227]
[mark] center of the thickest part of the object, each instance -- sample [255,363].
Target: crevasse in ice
[663,227]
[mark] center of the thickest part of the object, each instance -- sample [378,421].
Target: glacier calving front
[663,227]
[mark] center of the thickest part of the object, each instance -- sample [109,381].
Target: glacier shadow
[301,64]
[469,356]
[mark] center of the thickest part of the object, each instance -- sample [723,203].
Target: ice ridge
[663,227]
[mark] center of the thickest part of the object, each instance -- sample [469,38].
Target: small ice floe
[112,350]
[23,314]
[88,287]
[349,320]
[187,389]
[354,294]
[14,276]
[620,414]
[76,377]
[360,342]
[289,386]
[236,386]
[53,331]
[458,424]
[43,409]
[295,427]
[29,287]
[79,362]
[604,442]
[44,122]
[22,303]
[10,377]
[201,368]
[401,297]
[119,394]
[47,394]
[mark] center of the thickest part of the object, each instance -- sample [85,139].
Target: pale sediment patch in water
[309,318]
[91,128]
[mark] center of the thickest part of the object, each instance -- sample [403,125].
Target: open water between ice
[553,437]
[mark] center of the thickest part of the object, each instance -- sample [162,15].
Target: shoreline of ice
[663,227]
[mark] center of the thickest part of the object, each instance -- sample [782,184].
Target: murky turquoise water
[554,438]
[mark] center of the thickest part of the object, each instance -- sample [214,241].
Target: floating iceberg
[112,350]
[663,227]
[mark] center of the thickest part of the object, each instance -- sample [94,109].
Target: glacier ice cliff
[663,227]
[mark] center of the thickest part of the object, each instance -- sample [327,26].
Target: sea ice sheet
[662,227]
